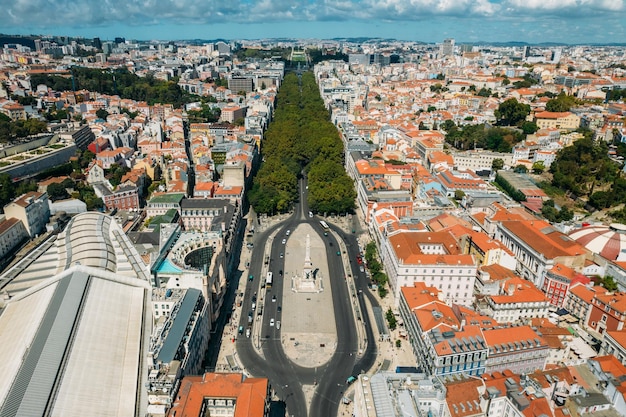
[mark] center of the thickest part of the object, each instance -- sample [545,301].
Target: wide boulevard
[351,356]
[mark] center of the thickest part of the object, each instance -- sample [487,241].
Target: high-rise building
[447,48]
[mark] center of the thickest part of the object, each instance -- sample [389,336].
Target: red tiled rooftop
[250,394]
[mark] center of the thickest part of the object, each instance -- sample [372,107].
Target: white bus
[325,227]
[268,280]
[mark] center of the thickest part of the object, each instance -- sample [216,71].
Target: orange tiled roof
[610,365]
[617,301]
[523,291]
[498,272]
[552,115]
[619,336]
[544,239]
[250,394]
[506,335]
[406,246]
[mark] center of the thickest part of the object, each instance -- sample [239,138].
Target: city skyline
[532,21]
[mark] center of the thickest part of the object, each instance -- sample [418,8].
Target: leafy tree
[529,127]
[448,125]
[301,137]
[584,166]
[511,112]
[24,187]
[484,92]
[68,183]
[56,191]
[120,82]
[459,194]
[85,158]
[526,82]
[478,136]
[206,114]
[102,114]
[115,174]
[538,167]
[551,214]
[7,189]
[398,343]
[131,114]
[392,322]
[561,103]
[609,283]
[506,82]
[436,88]
[520,169]
[11,130]
[497,163]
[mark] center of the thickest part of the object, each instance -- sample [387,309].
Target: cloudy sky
[567,21]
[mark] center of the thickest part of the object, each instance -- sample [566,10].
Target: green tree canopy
[511,112]
[497,163]
[301,137]
[561,103]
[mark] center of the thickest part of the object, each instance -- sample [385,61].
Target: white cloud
[87,13]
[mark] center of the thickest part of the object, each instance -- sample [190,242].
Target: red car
[359,260]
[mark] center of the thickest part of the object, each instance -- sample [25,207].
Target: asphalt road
[286,377]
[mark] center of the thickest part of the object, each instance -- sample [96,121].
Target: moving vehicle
[251,278]
[272,322]
[284,241]
[325,227]
[248,332]
[269,278]
[240,329]
[278,325]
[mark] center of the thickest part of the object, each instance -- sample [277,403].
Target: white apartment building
[415,393]
[430,257]
[517,300]
[12,232]
[32,209]
[480,159]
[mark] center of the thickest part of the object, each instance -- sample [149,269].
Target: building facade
[32,209]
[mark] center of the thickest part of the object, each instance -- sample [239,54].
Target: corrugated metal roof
[37,377]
